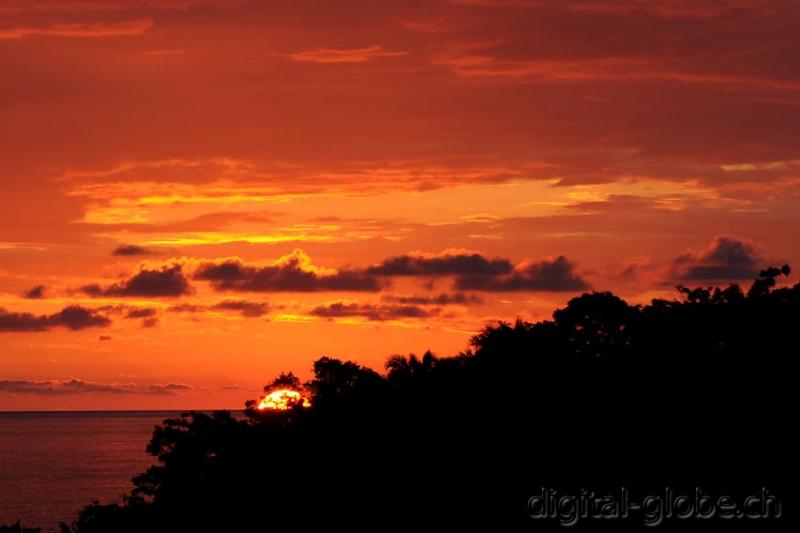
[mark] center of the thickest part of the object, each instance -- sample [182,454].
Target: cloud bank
[73,317]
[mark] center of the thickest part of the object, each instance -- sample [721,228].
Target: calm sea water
[54,463]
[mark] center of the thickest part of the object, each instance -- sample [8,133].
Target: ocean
[54,463]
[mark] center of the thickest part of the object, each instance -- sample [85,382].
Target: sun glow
[283,399]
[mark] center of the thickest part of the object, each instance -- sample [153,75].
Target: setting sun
[283,399]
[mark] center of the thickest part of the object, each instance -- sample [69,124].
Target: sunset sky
[196,195]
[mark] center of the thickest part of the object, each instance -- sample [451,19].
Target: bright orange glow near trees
[283,399]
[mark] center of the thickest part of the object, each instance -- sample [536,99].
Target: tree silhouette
[17,528]
[685,393]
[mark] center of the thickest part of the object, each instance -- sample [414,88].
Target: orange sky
[198,194]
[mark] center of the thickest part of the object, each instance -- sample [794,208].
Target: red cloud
[79,29]
[346,55]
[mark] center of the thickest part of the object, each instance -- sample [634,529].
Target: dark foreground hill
[525,430]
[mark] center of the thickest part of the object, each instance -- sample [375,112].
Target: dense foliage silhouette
[683,393]
[18,528]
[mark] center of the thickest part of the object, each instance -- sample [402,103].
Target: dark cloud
[168,281]
[224,272]
[370,311]
[443,265]
[459,298]
[131,250]
[36,293]
[244,307]
[76,317]
[23,321]
[104,338]
[727,258]
[169,388]
[556,275]
[148,314]
[76,386]
[73,317]
[248,309]
[291,274]
[473,271]
[187,308]
[141,312]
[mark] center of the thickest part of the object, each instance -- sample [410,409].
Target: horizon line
[32,411]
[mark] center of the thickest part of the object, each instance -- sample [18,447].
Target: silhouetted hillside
[696,392]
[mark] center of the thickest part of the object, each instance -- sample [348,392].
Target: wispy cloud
[81,29]
[605,69]
[344,55]
[77,386]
